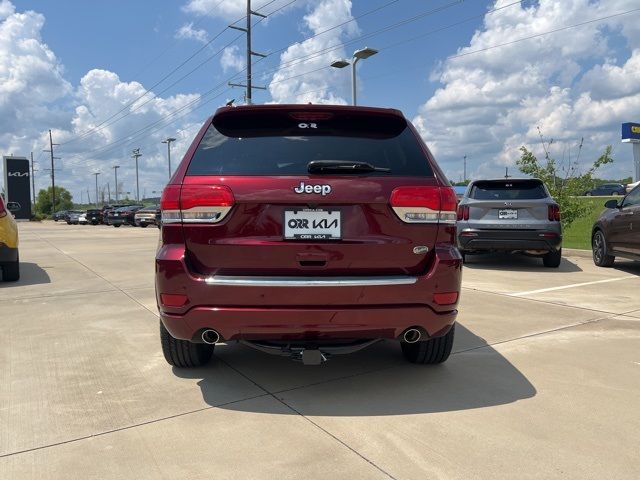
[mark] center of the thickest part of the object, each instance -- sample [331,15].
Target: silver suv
[512,215]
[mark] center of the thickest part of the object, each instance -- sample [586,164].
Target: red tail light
[554,213]
[463,212]
[424,204]
[195,203]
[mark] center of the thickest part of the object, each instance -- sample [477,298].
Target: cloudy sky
[477,77]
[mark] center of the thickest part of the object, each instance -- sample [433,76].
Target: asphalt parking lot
[544,381]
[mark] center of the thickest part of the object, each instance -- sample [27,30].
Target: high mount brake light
[424,204]
[554,213]
[311,116]
[195,203]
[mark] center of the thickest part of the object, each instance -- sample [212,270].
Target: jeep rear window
[508,190]
[277,144]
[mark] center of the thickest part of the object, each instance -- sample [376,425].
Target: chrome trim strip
[246,281]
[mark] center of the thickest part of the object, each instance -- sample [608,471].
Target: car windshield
[277,145]
[508,190]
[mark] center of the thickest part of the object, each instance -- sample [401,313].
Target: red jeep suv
[307,231]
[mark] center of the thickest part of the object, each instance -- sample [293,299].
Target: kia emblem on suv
[321,189]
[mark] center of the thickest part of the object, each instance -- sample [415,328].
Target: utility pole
[33,182]
[88,197]
[96,175]
[53,174]
[115,170]
[136,154]
[108,193]
[250,53]
[506,173]
[465,169]
[168,142]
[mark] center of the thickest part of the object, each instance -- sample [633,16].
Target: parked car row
[116,215]
[608,189]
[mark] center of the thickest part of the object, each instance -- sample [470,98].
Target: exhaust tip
[412,335]
[211,337]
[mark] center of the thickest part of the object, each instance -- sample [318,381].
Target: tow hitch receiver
[312,357]
[310,353]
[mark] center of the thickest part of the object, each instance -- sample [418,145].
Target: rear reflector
[448,298]
[173,299]
[195,203]
[424,204]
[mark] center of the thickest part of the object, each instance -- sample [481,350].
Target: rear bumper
[117,221]
[286,308]
[508,240]
[8,254]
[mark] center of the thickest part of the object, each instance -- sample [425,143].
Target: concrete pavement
[544,381]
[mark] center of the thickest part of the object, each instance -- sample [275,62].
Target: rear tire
[430,352]
[117,226]
[182,353]
[601,257]
[143,225]
[552,259]
[11,271]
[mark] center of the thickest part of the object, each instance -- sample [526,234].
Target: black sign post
[18,185]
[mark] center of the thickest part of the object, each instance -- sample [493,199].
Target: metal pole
[136,155]
[33,183]
[248,52]
[353,81]
[636,161]
[96,175]
[169,156]
[53,176]
[465,169]
[108,193]
[115,169]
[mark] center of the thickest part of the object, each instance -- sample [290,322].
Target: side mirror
[13,206]
[611,204]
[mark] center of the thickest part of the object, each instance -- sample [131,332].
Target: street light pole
[136,154]
[465,168]
[358,55]
[96,175]
[168,142]
[115,170]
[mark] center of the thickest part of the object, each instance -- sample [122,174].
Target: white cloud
[187,31]
[568,83]
[232,10]
[231,59]
[31,79]
[6,9]
[315,87]
[35,96]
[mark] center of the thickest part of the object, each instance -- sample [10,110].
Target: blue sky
[451,67]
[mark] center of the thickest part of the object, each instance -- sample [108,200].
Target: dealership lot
[544,381]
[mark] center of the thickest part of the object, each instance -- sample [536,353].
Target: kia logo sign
[18,174]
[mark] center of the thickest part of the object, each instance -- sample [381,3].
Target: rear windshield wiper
[343,166]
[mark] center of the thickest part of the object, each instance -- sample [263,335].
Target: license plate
[508,214]
[312,225]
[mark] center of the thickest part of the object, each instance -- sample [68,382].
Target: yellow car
[9,259]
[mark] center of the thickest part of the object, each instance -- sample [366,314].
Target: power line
[102,125]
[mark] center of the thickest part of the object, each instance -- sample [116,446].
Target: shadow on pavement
[30,274]
[627,266]
[475,378]
[515,262]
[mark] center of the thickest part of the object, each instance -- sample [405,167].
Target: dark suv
[94,216]
[308,231]
[613,234]
[123,216]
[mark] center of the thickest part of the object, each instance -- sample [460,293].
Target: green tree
[565,182]
[63,200]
